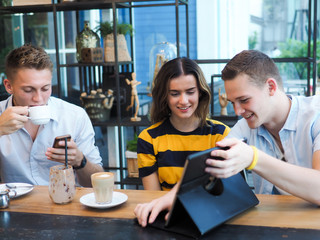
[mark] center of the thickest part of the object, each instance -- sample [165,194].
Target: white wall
[222,30]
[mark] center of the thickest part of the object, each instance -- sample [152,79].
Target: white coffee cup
[103,184]
[39,114]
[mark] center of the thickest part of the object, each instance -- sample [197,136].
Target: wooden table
[35,216]
[38,201]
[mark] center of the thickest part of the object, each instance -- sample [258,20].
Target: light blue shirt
[24,160]
[300,137]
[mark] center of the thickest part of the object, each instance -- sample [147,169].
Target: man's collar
[10,101]
[53,113]
[291,121]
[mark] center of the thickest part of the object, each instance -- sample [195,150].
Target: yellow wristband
[255,158]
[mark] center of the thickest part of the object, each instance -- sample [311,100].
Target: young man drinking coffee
[283,131]
[26,152]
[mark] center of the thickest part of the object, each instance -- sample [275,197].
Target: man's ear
[8,86]
[272,86]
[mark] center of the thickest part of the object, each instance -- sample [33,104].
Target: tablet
[203,202]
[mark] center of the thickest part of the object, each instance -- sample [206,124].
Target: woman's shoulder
[213,122]
[153,126]
[155,129]
[218,127]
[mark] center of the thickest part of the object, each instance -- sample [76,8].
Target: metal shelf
[88,5]
[104,64]
[125,122]
[113,68]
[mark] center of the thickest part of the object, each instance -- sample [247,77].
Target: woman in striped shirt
[179,113]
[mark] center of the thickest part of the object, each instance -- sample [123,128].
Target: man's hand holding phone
[57,140]
[57,151]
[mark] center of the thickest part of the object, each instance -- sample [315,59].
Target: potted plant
[293,49]
[106,30]
[132,157]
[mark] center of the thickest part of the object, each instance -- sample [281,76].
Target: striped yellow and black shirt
[164,149]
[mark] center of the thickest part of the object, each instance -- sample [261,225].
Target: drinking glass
[62,187]
[103,183]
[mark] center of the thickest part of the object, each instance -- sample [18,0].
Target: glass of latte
[103,184]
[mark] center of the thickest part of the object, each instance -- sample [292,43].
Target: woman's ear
[8,86]
[272,86]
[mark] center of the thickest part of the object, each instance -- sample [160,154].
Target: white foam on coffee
[104,175]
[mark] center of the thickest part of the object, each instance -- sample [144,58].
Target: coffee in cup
[103,184]
[39,114]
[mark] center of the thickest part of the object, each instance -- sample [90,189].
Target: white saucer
[22,188]
[90,201]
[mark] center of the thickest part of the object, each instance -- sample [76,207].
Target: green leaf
[132,144]
[106,28]
[293,49]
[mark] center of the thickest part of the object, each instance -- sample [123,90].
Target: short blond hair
[27,56]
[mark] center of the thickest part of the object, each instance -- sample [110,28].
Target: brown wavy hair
[27,56]
[172,69]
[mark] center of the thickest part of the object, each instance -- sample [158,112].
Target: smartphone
[60,138]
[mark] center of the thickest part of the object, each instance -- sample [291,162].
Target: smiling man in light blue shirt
[299,136]
[26,152]
[285,130]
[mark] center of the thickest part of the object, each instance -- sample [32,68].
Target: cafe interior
[92,67]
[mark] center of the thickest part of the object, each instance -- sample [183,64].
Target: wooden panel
[281,211]
[26,2]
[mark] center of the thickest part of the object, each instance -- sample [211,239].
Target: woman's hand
[153,208]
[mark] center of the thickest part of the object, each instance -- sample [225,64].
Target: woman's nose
[183,98]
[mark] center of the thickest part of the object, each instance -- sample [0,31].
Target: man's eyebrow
[47,85]
[28,87]
[238,98]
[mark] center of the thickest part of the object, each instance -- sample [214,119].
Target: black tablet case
[197,210]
